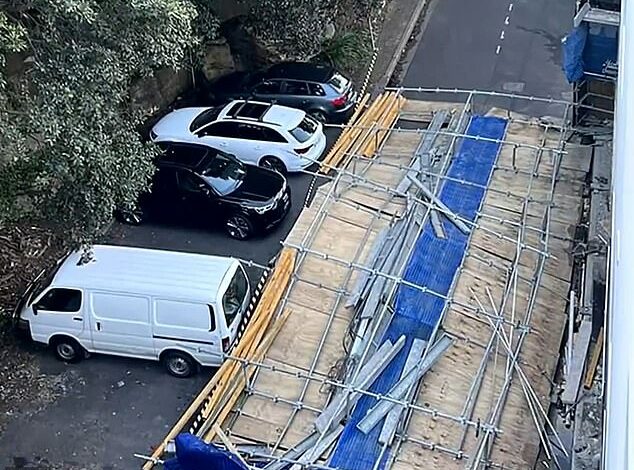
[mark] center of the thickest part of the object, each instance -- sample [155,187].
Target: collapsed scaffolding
[415,314]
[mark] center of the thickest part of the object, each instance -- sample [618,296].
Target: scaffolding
[482,398]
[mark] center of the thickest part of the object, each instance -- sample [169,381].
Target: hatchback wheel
[67,350]
[239,227]
[179,364]
[273,163]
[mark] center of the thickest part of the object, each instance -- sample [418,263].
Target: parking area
[110,408]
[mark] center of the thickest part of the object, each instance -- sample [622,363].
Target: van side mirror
[34,308]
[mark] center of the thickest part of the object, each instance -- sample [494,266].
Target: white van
[182,309]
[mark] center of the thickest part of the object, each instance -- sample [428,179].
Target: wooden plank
[594,361]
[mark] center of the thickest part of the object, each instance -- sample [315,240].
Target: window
[224,173]
[121,307]
[164,180]
[272,135]
[296,88]
[188,181]
[248,109]
[316,89]
[251,132]
[268,88]
[204,118]
[305,130]
[220,129]
[187,155]
[235,296]
[180,314]
[339,82]
[60,300]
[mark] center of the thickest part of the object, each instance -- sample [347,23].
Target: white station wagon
[276,137]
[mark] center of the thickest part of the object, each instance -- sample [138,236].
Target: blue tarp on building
[587,48]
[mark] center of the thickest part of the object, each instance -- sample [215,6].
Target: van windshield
[43,280]
[235,296]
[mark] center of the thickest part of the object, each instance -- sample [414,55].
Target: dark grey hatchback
[320,90]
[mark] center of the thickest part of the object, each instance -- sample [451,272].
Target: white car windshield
[204,118]
[235,296]
[224,173]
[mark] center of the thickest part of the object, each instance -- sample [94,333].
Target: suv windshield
[224,173]
[235,296]
[204,118]
[305,130]
[339,82]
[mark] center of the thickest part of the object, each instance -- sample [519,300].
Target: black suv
[199,184]
[319,90]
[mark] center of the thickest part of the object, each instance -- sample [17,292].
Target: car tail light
[304,150]
[225,344]
[340,101]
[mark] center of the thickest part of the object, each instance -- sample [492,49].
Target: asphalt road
[115,407]
[495,45]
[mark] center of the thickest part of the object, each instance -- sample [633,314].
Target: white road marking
[507,21]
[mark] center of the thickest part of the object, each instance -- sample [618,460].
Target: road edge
[402,44]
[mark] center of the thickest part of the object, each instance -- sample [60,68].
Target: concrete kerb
[401,45]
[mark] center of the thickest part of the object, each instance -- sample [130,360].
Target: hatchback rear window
[305,130]
[339,82]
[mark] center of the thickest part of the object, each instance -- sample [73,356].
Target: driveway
[113,407]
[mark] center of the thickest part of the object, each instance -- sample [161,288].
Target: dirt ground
[24,389]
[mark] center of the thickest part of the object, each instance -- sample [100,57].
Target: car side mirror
[34,308]
[203,188]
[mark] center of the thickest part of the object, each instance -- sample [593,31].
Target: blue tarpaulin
[601,46]
[587,49]
[193,453]
[573,46]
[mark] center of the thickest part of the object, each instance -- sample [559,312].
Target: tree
[71,150]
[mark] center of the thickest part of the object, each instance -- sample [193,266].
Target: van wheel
[239,227]
[273,163]
[67,350]
[179,364]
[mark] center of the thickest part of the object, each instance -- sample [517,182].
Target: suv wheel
[179,364]
[273,163]
[318,115]
[239,226]
[67,349]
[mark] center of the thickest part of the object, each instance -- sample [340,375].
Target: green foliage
[347,50]
[71,152]
[294,27]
